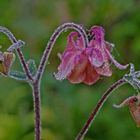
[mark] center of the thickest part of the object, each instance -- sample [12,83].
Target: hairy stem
[51,42]
[23,62]
[96,110]
[19,52]
[37,102]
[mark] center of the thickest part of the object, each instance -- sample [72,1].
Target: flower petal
[98,32]
[74,40]
[135,112]
[78,73]
[95,56]
[66,66]
[68,58]
[118,65]
[134,107]
[9,58]
[99,42]
[91,75]
[104,70]
[109,46]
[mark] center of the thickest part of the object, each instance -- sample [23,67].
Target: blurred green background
[66,107]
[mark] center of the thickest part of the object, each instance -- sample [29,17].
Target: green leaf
[17,75]
[32,66]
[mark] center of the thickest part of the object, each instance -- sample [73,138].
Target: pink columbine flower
[134,106]
[80,64]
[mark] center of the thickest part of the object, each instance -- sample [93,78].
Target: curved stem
[37,101]
[51,42]
[96,110]
[23,62]
[19,52]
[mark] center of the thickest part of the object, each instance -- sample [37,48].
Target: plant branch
[37,101]
[19,52]
[99,105]
[51,42]
[23,62]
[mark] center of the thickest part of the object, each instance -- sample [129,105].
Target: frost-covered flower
[80,64]
[6,61]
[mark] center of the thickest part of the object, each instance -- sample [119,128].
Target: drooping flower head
[134,106]
[80,64]
[6,61]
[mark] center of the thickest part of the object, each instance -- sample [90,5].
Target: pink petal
[118,65]
[66,66]
[99,42]
[104,70]
[74,40]
[78,73]
[70,41]
[75,78]
[74,48]
[80,42]
[95,56]
[109,46]
[91,75]
[135,112]
[134,106]
[98,31]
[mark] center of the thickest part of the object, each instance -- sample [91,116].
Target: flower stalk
[35,80]
[37,110]
[134,101]
[98,107]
